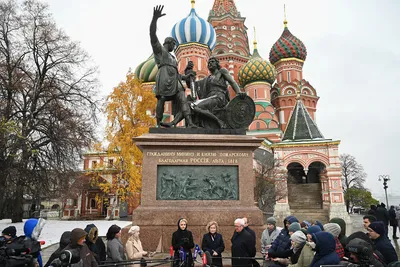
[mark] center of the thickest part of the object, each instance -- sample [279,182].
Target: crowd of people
[297,244]
[87,249]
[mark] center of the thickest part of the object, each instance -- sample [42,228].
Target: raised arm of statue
[230,80]
[157,13]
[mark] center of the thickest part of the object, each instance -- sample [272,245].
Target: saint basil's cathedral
[308,168]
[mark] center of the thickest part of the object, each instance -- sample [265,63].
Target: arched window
[255,93]
[288,76]
[258,125]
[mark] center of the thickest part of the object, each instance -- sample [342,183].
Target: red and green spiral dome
[287,46]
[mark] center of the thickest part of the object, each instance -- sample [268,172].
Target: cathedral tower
[232,46]
[288,55]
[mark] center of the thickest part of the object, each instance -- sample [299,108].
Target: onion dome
[256,69]
[287,46]
[147,70]
[194,29]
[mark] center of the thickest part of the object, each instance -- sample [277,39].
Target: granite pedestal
[230,159]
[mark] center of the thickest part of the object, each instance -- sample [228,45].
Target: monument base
[156,223]
[199,177]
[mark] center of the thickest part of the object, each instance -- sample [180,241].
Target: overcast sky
[353,60]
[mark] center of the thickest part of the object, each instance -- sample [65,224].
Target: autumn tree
[269,187]
[129,110]
[47,103]
[353,175]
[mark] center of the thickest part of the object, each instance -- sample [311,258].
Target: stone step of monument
[310,214]
[313,206]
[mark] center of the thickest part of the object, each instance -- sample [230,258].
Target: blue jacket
[32,229]
[280,248]
[325,247]
[383,245]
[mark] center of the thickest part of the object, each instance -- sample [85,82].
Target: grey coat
[115,250]
[267,239]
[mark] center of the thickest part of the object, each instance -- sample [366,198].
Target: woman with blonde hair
[213,243]
[182,238]
[133,246]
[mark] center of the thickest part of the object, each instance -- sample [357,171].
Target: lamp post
[385,179]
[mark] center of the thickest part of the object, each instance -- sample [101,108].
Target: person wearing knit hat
[77,242]
[269,235]
[9,232]
[294,227]
[298,240]
[377,233]
[332,228]
[134,248]
[342,237]
[335,230]
[298,237]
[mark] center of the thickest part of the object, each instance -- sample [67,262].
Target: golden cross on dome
[193,2]
[255,39]
[284,15]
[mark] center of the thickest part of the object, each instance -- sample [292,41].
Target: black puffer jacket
[64,241]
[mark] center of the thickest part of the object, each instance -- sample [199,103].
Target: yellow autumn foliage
[129,110]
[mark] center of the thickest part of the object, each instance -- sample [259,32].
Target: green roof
[301,126]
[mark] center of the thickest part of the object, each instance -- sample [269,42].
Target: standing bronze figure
[168,80]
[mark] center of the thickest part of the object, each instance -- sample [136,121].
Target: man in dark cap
[8,235]
[377,233]
[9,232]
[78,237]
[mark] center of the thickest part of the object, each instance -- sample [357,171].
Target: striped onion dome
[194,29]
[287,46]
[256,69]
[147,70]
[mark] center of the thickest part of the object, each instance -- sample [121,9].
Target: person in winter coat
[325,250]
[87,259]
[372,210]
[393,221]
[280,248]
[182,238]
[242,245]
[268,236]
[95,244]
[213,243]
[253,234]
[342,236]
[115,249]
[298,240]
[364,237]
[366,256]
[64,241]
[307,253]
[382,215]
[335,230]
[398,216]
[377,233]
[133,246]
